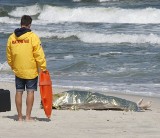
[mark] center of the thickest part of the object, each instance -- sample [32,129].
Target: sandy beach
[81,124]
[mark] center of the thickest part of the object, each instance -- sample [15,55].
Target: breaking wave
[56,14]
[106,15]
[104,38]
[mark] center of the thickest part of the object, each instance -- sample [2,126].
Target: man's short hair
[26,20]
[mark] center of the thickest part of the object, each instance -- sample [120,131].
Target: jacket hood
[19,32]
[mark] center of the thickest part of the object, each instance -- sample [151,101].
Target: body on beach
[86,100]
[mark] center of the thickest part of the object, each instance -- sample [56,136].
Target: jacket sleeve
[38,53]
[8,53]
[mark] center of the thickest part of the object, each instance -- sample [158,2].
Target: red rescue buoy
[45,85]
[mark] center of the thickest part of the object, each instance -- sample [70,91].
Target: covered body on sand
[76,99]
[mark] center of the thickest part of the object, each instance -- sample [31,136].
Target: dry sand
[81,124]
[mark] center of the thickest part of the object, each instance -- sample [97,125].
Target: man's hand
[44,71]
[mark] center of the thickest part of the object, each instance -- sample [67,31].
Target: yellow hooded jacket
[25,55]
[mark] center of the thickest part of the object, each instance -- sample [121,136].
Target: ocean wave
[90,37]
[119,38]
[30,10]
[56,35]
[9,20]
[56,14]
[53,14]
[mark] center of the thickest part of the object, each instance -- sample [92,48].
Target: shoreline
[65,88]
[129,96]
[81,123]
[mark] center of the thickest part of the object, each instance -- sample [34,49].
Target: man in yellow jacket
[25,57]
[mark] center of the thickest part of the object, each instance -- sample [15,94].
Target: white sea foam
[4,67]
[68,57]
[109,53]
[9,20]
[50,58]
[89,37]
[54,35]
[76,0]
[119,38]
[29,10]
[53,14]
[56,14]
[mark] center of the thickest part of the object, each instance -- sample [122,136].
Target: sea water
[99,45]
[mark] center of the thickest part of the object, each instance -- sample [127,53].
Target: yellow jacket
[25,55]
